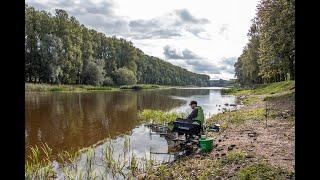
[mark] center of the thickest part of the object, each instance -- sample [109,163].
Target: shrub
[124,76]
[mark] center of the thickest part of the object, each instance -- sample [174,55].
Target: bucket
[206,145]
[203,137]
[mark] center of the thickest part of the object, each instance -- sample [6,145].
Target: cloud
[197,65]
[223,29]
[227,69]
[229,61]
[228,64]
[152,29]
[186,17]
[191,61]
[110,26]
[203,66]
[97,15]
[198,31]
[187,54]
[76,8]
[172,53]
[168,26]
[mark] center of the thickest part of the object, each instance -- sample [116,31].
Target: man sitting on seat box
[196,116]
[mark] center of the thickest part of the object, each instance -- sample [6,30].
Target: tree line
[60,50]
[222,83]
[269,56]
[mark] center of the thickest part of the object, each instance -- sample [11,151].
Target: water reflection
[65,120]
[74,120]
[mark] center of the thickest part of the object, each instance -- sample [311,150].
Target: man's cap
[193,102]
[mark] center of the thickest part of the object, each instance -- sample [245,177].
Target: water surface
[68,121]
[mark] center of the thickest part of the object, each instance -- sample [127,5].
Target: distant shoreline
[43,87]
[36,87]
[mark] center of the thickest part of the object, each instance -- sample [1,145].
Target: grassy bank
[264,89]
[30,87]
[236,154]
[141,86]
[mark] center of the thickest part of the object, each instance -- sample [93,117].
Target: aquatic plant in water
[157,116]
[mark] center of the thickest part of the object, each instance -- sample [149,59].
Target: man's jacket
[197,115]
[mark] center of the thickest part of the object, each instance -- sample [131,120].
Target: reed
[126,143]
[66,157]
[157,116]
[133,163]
[89,161]
[39,163]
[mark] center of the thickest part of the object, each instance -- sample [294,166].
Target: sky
[202,36]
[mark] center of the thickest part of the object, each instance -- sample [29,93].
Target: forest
[60,50]
[269,56]
[222,83]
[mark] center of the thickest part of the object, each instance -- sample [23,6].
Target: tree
[269,55]
[124,76]
[93,74]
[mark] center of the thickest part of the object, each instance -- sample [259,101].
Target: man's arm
[193,114]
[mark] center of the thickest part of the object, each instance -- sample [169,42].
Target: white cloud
[193,62]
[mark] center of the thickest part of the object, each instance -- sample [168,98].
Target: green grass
[157,116]
[250,100]
[282,97]
[272,88]
[238,116]
[233,158]
[140,86]
[30,87]
[263,171]
[230,90]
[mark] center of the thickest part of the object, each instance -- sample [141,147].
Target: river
[69,121]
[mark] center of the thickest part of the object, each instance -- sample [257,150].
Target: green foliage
[59,50]
[152,70]
[93,74]
[125,76]
[263,171]
[108,81]
[269,55]
[222,83]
